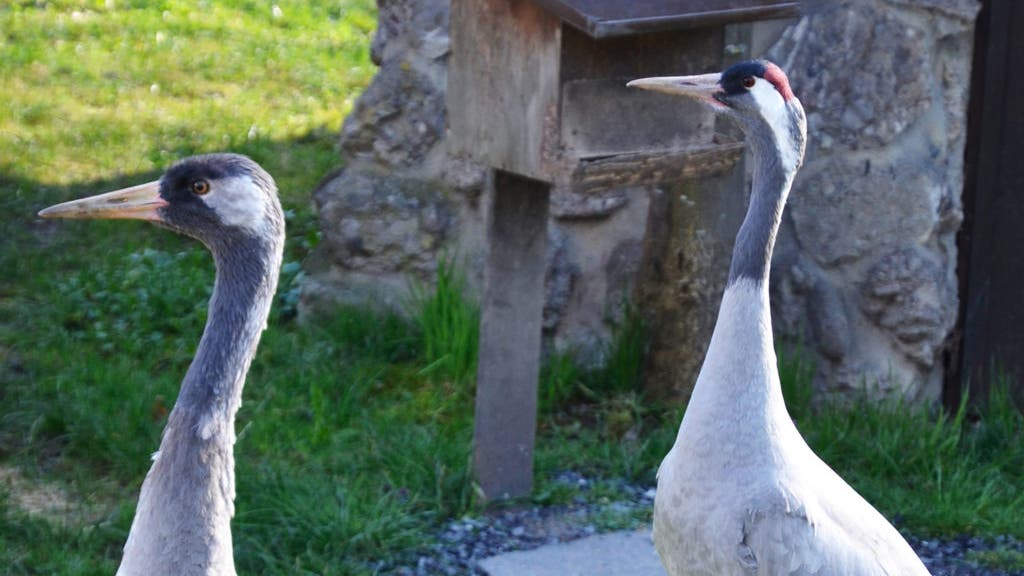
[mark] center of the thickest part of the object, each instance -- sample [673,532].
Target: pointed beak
[141,202]
[702,87]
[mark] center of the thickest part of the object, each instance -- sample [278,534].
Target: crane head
[210,197]
[756,93]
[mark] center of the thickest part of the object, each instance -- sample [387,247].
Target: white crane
[182,524]
[741,493]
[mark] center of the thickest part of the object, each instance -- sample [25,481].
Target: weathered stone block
[679,288]
[866,262]
[621,271]
[569,205]
[560,275]
[390,128]
[963,10]
[377,222]
[905,293]
[861,72]
[843,211]
[404,27]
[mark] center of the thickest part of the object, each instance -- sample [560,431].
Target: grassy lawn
[353,439]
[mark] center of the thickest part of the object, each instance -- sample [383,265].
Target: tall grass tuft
[560,378]
[623,362]
[448,324]
[563,379]
[941,473]
[796,373]
[1000,423]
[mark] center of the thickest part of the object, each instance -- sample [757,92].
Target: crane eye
[200,187]
[749,82]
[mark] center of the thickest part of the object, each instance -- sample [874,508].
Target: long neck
[246,279]
[752,253]
[738,395]
[187,500]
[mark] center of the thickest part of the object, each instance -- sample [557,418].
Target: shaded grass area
[354,435]
[932,473]
[1000,558]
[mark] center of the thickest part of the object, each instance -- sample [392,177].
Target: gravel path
[463,543]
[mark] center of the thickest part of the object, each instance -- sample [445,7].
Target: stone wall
[865,267]
[865,270]
[394,208]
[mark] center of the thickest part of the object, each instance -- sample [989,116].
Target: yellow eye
[200,187]
[749,82]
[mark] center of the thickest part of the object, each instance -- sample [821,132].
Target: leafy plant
[152,294]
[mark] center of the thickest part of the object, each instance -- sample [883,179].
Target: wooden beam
[503,85]
[510,337]
[648,168]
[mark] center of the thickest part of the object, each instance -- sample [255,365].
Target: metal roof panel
[607,18]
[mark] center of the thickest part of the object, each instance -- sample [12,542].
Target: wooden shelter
[536,90]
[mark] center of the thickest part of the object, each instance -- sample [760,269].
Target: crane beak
[703,87]
[141,202]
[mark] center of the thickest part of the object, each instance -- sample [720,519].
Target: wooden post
[535,95]
[510,337]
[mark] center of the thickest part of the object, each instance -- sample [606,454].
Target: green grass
[941,474]
[354,435]
[1000,558]
[449,325]
[563,380]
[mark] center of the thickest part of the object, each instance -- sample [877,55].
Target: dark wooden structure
[536,90]
[991,266]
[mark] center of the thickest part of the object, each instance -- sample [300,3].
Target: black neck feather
[752,252]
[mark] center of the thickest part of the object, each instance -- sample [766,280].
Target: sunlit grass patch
[139,84]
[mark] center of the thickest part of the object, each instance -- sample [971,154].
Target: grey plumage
[741,493]
[755,241]
[229,203]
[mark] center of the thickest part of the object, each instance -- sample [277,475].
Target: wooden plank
[503,85]
[643,169]
[600,116]
[660,54]
[510,337]
[604,117]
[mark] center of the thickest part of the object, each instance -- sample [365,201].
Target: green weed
[449,325]
[560,378]
[928,467]
[1005,559]
[796,374]
[623,361]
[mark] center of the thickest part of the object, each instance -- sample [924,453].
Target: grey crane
[740,492]
[182,524]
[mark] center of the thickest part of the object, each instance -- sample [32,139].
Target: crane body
[182,523]
[741,492]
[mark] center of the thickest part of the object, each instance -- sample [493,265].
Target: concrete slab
[629,553]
